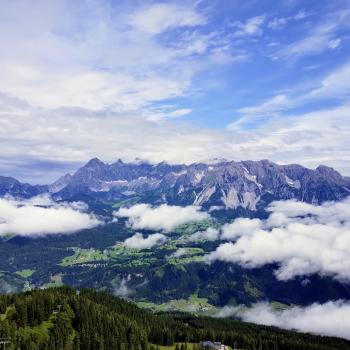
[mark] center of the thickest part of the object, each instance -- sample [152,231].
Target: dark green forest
[64,319]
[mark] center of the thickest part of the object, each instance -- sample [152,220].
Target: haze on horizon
[179,81]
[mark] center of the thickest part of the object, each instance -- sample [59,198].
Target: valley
[154,248]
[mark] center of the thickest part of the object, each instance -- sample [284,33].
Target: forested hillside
[63,319]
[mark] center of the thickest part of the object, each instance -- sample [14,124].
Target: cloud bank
[164,217]
[301,238]
[331,318]
[39,216]
[137,241]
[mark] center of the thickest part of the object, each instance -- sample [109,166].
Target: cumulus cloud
[316,318]
[239,227]
[40,216]
[137,241]
[210,234]
[164,217]
[301,238]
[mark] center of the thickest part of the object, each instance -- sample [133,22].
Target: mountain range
[219,184]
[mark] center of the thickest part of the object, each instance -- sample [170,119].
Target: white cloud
[280,22]
[311,45]
[268,109]
[157,115]
[330,319]
[77,64]
[31,134]
[39,216]
[164,217]
[301,238]
[319,38]
[121,288]
[276,103]
[334,85]
[179,253]
[137,241]
[240,227]
[215,207]
[252,26]
[78,72]
[159,17]
[277,23]
[300,15]
[210,234]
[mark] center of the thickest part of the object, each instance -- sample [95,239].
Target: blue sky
[178,81]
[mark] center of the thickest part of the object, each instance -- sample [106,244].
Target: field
[25,273]
[193,304]
[190,346]
[82,256]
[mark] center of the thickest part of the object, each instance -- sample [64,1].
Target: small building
[207,344]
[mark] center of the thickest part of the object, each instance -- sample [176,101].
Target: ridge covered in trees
[64,319]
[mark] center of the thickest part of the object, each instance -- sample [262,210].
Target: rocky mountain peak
[329,172]
[94,162]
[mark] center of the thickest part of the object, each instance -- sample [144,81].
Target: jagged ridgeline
[249,185]
[62,319]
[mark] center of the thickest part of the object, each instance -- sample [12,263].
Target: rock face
[61,183]
[229,184]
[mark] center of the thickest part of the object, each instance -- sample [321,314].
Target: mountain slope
[61,319]
[11,186]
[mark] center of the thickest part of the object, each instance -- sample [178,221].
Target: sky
[181,81]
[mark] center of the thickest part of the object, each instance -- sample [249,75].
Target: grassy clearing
[251,290]
[120,250]
[185,260]
[26,273]
[42,330]
[277,306]
[129,257]
[194,226]
[193,304]
[188,255]
[82,256]
[126,202]
[55,281]
[9,309]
